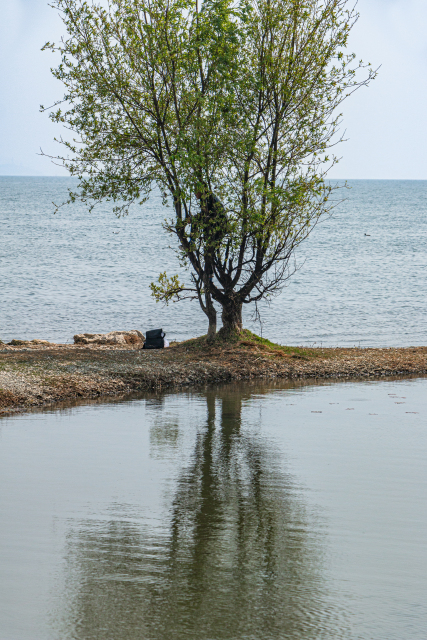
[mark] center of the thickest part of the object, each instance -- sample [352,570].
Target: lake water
[78,272]
[240,513]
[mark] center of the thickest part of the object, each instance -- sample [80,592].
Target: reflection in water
[236,557]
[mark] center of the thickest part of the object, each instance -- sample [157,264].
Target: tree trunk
[211,313]
[231,318]
[209,305]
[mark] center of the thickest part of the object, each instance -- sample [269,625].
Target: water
[244,512]
[79,272]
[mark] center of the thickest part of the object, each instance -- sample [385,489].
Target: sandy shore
[34,375]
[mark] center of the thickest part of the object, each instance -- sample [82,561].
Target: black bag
[154,339]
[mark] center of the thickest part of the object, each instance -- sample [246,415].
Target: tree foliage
[230,108]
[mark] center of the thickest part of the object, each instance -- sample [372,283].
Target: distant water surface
[362,277]
[262,512]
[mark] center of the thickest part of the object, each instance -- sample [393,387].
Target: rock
[28,343]
[114,337]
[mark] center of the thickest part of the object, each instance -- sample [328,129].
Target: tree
[230,108]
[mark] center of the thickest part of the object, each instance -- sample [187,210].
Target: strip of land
[34,374]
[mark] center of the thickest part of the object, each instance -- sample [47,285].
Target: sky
[385,124]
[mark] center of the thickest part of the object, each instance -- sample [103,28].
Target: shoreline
[43,375]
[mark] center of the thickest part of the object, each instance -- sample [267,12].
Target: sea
[360,279]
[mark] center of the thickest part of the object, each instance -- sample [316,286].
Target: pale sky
[385,124]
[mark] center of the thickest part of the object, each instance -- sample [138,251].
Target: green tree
[229,108]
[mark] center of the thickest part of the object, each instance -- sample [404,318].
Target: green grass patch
[250,341]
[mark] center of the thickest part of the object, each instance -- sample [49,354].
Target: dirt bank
[36,374]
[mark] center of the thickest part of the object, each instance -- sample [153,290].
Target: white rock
[113,337]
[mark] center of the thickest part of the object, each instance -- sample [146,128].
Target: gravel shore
[37,374]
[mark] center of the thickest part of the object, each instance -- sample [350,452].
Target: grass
[251,340]
[247,340]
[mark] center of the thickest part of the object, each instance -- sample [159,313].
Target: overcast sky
[385,123]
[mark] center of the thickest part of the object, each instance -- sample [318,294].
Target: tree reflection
[240,560]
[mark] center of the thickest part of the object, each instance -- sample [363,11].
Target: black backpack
[154,339]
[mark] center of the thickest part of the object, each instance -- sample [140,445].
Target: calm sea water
[241,513]
[78,272]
